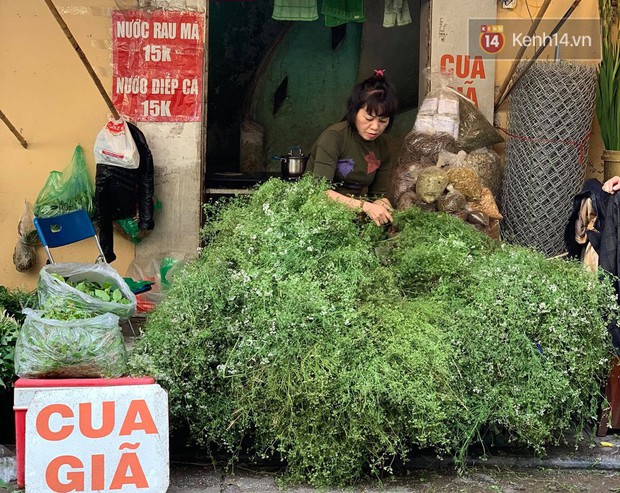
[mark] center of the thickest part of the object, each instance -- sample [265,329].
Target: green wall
[319,82]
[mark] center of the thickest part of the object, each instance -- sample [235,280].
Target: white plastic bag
[115,146]
[439,112]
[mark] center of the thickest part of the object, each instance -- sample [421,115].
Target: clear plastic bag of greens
[475,130]
[67,190]
[88,347]
[96,288]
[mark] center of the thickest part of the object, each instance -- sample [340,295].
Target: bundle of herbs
[9,327]
[306,335]
[12,302]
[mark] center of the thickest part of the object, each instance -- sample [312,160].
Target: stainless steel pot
[293,164]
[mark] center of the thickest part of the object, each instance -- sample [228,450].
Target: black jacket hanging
[604,238]
[119,192]
[609,255]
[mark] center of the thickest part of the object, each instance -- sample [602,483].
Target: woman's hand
[379,211]
[612,185]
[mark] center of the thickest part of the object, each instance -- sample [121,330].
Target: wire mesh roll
[549,123]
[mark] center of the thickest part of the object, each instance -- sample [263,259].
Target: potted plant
[608,89]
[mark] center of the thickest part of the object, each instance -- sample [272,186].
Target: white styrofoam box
[108,439]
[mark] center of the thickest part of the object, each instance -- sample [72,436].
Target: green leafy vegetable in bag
[103,291]
[9,327]
[69,348]
[67,191]
[96,288]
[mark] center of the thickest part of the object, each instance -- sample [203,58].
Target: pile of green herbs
[304,334]
[12,301]
[608,89]
[61,309]
[9,328]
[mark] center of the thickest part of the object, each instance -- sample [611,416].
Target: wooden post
[13,130]
[82,56]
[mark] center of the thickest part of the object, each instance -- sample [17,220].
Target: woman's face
[370,126]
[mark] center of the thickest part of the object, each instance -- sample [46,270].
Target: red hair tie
[380,73]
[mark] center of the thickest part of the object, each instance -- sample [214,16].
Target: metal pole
[13,130]
[539,51]
[520,53]
[82,56]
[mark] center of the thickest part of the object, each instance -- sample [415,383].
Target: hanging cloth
[295,10]
[396,13]
[586,221]
[339,12]
[118,191]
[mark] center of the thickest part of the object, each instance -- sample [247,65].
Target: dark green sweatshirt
[354,166]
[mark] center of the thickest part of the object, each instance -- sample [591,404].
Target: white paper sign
[108,439]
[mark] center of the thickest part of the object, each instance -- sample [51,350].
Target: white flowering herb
[312,337]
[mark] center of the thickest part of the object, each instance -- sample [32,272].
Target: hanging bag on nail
[115,146]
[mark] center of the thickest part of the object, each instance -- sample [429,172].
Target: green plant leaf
[102,295]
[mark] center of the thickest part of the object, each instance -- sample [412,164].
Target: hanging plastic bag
[87,347]
[24,254]
[439,112]
[115,146]
[67,190]
[97,288]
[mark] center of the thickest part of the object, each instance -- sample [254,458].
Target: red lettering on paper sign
[466,70]
[158,65]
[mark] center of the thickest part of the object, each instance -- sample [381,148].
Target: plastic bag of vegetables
[70,348]
[67,190]
[96,288]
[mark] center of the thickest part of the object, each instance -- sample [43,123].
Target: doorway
[273,85]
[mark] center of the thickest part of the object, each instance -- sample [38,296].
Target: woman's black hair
[377,94]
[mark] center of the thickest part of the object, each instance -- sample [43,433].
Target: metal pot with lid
[294,163]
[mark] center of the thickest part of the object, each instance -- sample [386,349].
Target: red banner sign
[158,65]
